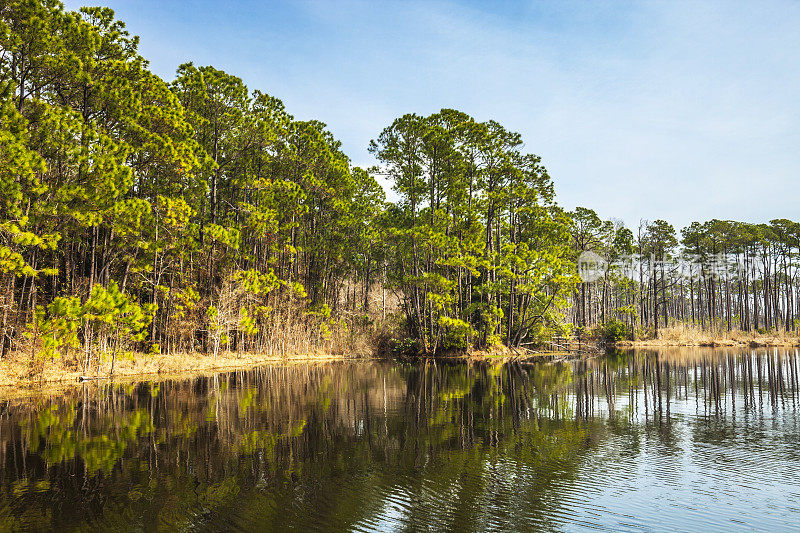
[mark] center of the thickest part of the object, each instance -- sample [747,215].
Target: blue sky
[675,110]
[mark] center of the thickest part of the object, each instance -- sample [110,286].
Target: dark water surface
[672,440]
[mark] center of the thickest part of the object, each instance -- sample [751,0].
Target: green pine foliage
[197,214]
[142,214]
[138,214]
[477,247]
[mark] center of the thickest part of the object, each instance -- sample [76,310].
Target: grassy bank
[29,367]
[17,374]
[692,336]
[502,354]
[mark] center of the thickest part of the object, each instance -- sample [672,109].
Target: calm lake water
[674,440]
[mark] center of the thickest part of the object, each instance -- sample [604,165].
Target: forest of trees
[199,215]
[719,275]
[165,215]
[476,244]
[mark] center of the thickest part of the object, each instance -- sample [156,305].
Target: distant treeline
[196,214]
[718,275]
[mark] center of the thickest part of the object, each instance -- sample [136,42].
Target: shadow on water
[638,440]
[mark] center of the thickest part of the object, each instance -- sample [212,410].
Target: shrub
[615,330]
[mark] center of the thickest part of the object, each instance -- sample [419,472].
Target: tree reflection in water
[369,445]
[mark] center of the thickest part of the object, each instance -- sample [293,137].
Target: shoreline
[719,342]
[689,335]
[16,378]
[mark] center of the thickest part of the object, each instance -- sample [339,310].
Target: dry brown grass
[687,335]
[18,375]
[500,353]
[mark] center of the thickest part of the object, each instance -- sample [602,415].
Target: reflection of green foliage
[265,441]
[102,452]
[23,485]
[54,426]
[211,413]
[254,441]
[181,425]
[55,429]
[262,446]
[309,447]
[246,401]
